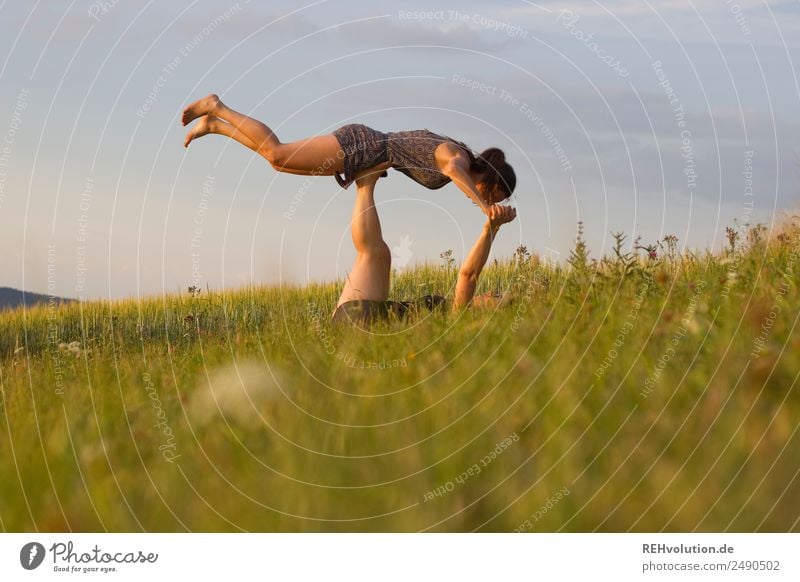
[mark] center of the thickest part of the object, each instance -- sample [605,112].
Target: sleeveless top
[412,153]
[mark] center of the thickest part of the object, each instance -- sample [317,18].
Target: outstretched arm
[473,265]
[452,164]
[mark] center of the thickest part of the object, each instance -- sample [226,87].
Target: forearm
[465,183]
[473,265]
[479,252]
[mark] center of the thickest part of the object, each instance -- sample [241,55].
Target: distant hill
[10,298]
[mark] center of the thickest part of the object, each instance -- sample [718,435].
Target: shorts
[365,311]
[363,148]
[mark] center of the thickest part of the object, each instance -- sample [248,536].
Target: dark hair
[492,164]
[496,171]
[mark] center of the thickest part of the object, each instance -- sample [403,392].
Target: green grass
[649,391]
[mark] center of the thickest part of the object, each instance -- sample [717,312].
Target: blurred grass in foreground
[650,390]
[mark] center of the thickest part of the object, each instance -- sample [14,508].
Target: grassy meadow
[652,389]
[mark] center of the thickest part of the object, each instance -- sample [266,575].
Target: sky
[650,117]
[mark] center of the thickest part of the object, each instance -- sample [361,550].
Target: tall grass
[652,389]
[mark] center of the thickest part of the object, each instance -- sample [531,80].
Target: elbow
[450,171]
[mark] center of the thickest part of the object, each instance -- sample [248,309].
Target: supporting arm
[478,255]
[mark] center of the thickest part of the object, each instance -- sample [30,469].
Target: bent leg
[211,105]
[369,277]
[317,155]
[320,155]
[210,124]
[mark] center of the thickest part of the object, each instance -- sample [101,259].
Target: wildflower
[733,236]
[521,255]
[447,257]
[73,348]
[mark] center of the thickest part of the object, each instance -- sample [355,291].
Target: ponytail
[492,164]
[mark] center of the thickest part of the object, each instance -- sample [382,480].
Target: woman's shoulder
[461,146]
[451,150]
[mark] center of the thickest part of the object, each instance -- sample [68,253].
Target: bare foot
[199,108]
[203,127]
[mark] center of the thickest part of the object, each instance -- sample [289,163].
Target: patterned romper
[409,152]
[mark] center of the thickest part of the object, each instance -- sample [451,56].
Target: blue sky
[648,117]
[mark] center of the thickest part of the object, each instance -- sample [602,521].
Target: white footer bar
[401,557]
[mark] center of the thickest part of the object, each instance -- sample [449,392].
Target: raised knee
[275,155]
[379,252]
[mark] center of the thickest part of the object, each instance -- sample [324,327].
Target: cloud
[627,8]
[240,20]
[704,21]
[391,31]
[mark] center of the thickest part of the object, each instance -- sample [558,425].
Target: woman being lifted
[430,159]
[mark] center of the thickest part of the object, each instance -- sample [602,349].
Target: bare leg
[211,105]
[210,124]
[317,155]
[369,277]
